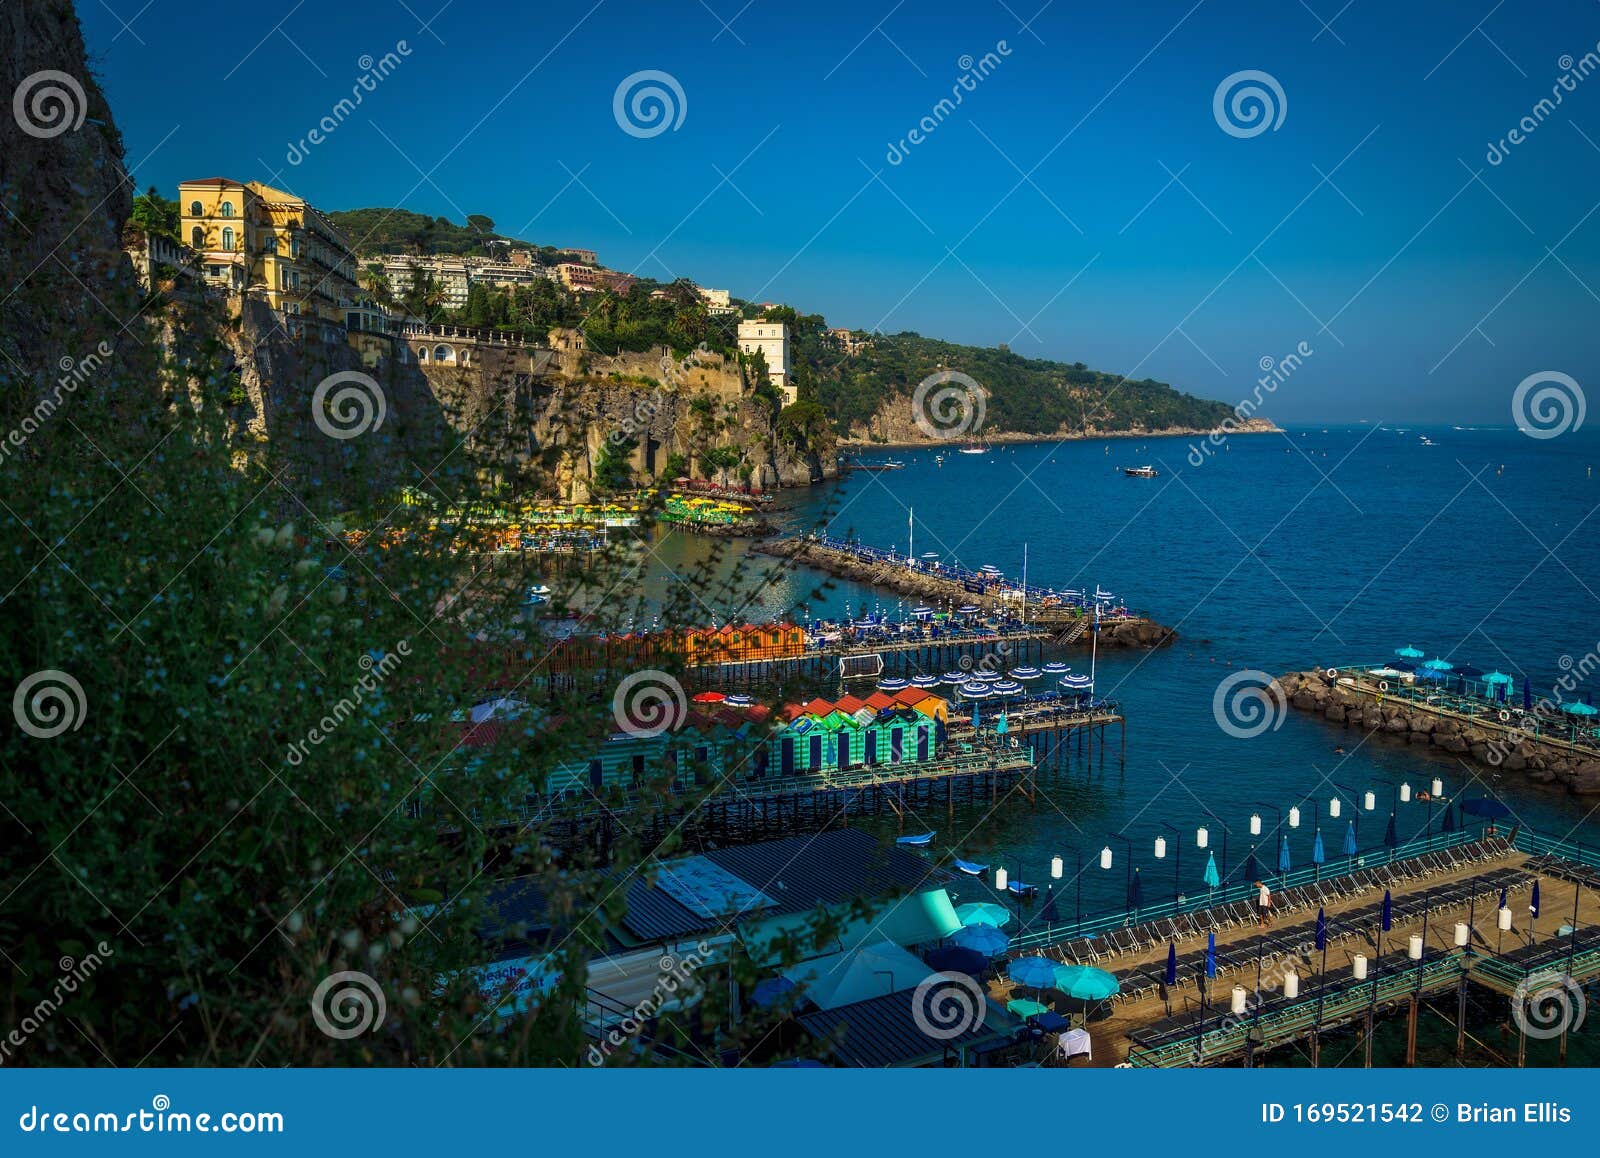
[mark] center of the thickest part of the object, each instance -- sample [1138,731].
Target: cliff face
[548,422]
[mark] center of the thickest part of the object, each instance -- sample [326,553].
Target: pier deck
[1444,881]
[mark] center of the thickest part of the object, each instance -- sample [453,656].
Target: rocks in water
[1537,761]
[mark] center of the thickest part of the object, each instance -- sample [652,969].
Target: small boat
[917,841]
[1021,889]
[966,866]
[973,448]
[1141,471]
[938,460]
[893,464]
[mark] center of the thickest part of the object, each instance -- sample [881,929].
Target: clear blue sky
[1424,294]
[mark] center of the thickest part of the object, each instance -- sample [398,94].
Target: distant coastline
[1254,426]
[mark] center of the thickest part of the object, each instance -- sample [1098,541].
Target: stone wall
[1540,761]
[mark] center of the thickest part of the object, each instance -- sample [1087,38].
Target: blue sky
[1081,203]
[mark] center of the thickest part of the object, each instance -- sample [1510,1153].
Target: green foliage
[402,231]
[612,470]
[156,214]
[1026,395]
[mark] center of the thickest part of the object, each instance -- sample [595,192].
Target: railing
[1105,920]
[1536,843]
[1481,709]
[1231,1032]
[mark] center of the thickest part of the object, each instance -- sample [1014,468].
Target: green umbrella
[1023,1007]
[1086,983]
[983,913]
[1212,877]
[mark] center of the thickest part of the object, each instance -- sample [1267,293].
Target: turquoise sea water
[1279,552]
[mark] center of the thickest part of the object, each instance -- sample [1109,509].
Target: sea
[1313,547]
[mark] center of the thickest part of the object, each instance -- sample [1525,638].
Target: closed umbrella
[1212,877]
[1172,964]
[1252,871]
[1049,914]
[1318,854]
[1533,901]
[1388,911]
[1322,929]
[985,939]
[1350,839]
[1211,954]
[1390,838]
[1449,824]
[1502,898]
[1283,855]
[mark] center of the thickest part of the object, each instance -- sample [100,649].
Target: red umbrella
[709,698]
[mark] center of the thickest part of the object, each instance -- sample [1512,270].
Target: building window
[443,354]
[196,209]
[422,353]
[227,238]
[271,245]
[226,209]
[197,237]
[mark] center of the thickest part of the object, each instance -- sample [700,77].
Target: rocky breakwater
[1483,742]
[1069,625]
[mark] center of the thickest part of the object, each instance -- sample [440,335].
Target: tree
[156,215]
[480,223]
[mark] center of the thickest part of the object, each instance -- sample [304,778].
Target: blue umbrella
[1388,911]
[1322,928]
[770,991]
[1390,838]
[981,938]
[1502,898]
[1408,652]
[1527,696]
[1211,954]
[1318,856]
[1252,870]
[1172,964]
[1449,824]
[1212,877]
[1034,972]
[1533,901]
[1283,855]
[1486,807]
[983,913]
[1350,839]
[1049,914]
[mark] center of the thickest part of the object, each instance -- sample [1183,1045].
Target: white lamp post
[1291,985]
[1161,848]
[1255,824]
[1414,948]
[1463,935]
[1294,817]
[1201,837]
[1000,879]
[1358,965]
[1503,920]
[1333,807]
[1056,867]
[1405,792]
[1370,800]
[1105,857]
[1438,787]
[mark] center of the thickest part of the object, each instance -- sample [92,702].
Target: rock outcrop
[1541,761]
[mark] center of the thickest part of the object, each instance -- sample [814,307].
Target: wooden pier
[1435,886]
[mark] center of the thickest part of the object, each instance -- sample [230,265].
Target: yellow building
[257,240]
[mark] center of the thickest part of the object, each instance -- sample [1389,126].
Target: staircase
[1073,632]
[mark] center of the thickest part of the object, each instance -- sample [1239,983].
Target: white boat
[1141,471]
[973,449]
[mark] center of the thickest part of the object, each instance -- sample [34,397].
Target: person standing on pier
[1263,904]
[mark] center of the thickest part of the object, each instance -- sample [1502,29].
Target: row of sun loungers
[1280,939]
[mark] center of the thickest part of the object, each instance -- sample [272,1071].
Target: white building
[772,339]
[718,303]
